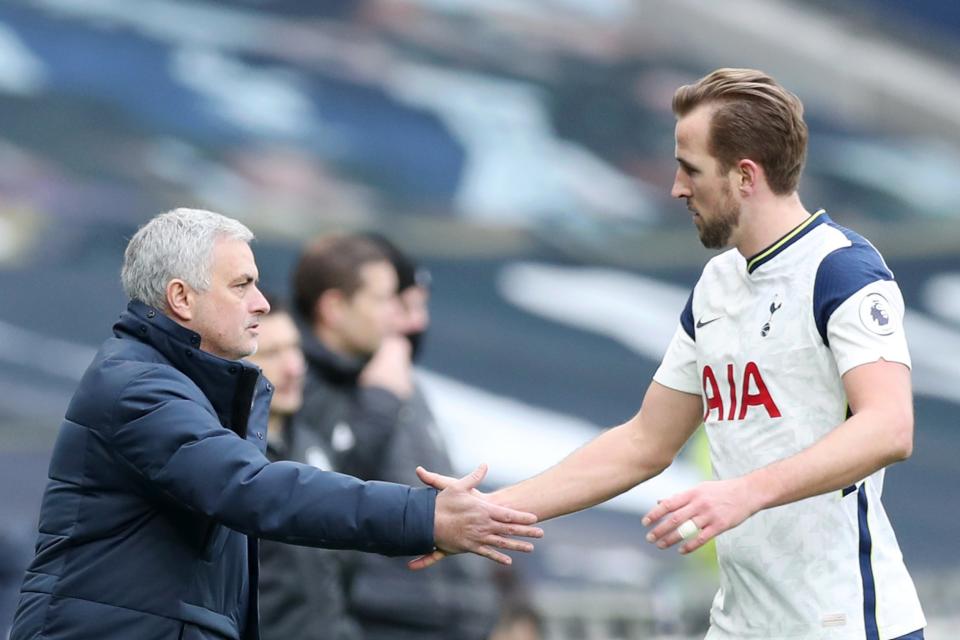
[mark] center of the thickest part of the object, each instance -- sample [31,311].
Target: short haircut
[331,262]
[409,273]
[175,244]
[755,118]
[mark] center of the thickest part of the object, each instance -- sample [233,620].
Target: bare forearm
[860,446]
[605,467]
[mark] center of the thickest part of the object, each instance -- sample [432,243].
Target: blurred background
[523,151]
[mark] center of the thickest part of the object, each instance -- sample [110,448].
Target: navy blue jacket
[159,489]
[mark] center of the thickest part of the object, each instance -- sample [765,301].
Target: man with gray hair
[159,488]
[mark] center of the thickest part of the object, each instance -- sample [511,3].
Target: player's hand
[464,522]
[714,507]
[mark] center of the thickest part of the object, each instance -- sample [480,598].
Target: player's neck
[763,223]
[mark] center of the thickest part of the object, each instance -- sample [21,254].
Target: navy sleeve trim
[843,273]
[686,318]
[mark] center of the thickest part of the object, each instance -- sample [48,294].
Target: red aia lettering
[753,393]
[711,395]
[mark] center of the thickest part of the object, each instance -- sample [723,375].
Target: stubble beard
[715,232]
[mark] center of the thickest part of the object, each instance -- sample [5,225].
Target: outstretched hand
[441,482]
[465,521]
[713,507]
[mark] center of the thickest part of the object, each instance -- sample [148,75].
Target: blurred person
[460,601]
[159,488]
[791,350]
[302,589]
[358,366]
[520,621]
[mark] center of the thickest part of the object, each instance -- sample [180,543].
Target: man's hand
[390,368]
[441,482]
[713,507]
[464,521]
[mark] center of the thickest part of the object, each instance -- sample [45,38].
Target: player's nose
[680,187]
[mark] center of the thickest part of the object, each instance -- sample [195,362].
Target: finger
[426,561]
[706,535]
[508,515]
[664,507]
[435,480]
[666,532]
[492,554]
[508,543]
[519,530]
[474,478]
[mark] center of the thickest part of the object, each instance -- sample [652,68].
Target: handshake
[466,520]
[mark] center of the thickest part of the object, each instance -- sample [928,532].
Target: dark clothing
[386,597]
[388,438]
[302,590]
[344,413]
[159,490]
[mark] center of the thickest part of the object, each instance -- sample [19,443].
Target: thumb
[473,480]
[425,561]
[435,480]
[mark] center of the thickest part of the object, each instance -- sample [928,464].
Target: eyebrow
[244,278]
[686,165]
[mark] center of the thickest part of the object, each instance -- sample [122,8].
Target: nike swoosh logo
[701,324]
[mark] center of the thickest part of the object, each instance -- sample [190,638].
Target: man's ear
[329,308]
[181,300]
[749,176]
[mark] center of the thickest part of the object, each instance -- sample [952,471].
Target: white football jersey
[765,342]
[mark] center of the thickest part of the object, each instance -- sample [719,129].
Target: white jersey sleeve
[678,369]
[858,307]
[868,326]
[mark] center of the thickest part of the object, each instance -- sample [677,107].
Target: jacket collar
[229,385]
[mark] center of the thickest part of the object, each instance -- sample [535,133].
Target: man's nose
[260,304]
[680,188]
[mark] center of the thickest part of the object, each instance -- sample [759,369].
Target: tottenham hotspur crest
[774,307]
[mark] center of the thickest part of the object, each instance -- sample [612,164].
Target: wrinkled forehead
[233,259]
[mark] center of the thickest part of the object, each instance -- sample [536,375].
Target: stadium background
[524,151]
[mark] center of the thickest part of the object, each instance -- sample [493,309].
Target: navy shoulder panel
[843,273]
[686,318]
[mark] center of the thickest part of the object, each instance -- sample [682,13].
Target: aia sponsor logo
[745,391]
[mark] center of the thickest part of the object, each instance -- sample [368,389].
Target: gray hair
[175,244]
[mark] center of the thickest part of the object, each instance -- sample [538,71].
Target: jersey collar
[795,234]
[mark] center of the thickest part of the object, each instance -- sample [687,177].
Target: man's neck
[333,341]
[762,224]
[275,427]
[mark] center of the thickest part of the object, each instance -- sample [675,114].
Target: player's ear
[749,174]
